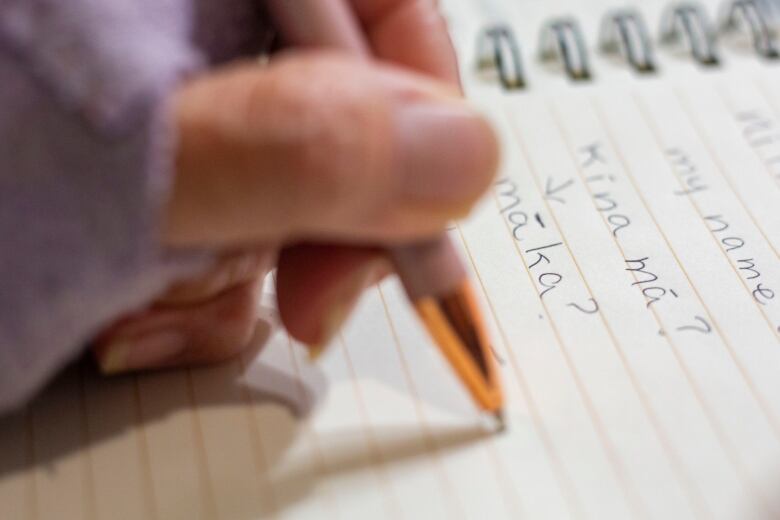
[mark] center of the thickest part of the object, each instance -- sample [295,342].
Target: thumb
[321,146]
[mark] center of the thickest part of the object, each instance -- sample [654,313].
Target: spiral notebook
[628,260]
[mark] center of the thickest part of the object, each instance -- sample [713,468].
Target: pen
[431,272]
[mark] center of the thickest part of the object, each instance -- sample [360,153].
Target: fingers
[322,147]
[317,287]
[229,271]
[407,32]
[411,33]
[204,333]
[204,319]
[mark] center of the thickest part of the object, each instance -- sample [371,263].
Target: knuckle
[339,147]
[231,328]
[325,131]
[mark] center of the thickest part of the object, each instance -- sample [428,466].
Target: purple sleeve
[85,166]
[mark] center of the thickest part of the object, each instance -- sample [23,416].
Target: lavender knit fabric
[86,147]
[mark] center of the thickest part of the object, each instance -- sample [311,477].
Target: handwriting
[548,280]
[702,326]
[686,171]
[510,206]
[722,225]
[593,303]
[540,255]
[762,133]
[729,240]
[644,277]
[551,191]
[732,243]
[593,152]
[604,200]
[507,191]
[618,222]
[762,295]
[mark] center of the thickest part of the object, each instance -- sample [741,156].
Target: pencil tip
[498,415]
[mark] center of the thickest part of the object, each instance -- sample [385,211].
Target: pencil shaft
[431,271]
[430,268]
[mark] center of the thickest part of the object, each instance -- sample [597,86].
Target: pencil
[431,272]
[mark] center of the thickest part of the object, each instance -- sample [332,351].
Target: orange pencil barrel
[461,337]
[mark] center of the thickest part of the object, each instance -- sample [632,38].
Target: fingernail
[448,153]
[149,351]
[315,351]
[114,358]
[342,303]
[331,324]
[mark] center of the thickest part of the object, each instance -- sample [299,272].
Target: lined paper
[628,262]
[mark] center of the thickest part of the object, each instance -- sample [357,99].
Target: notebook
[628,261]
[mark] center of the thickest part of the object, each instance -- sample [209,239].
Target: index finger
[412,33]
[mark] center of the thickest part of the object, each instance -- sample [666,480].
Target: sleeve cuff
[86,164]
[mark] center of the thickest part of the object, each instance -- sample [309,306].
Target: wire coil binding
[625,31]
[497,49]
[737,13]
[690,21]
[562,38]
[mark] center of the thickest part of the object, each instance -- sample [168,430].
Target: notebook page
[627,263]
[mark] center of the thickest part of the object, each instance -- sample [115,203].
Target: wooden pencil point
[498,415]
[455,323]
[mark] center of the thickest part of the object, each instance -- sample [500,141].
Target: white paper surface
[628,264]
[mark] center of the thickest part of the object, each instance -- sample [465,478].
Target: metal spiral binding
[690,20]
[737,12]
[497,49]
[562,38]
[624,31]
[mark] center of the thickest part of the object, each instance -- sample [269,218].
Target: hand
[307,164]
